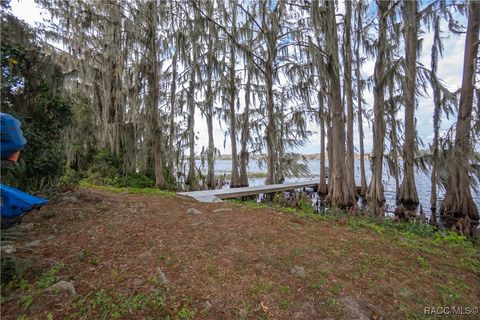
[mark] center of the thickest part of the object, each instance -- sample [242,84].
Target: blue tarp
[16,202]
[12,139]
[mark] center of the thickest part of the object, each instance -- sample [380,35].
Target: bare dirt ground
[136,256]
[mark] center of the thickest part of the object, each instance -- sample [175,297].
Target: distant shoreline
[308,156]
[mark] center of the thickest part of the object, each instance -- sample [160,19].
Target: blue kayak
[16,202]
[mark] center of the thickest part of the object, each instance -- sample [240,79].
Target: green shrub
[417,228]
[134,180]
[70,178]
[105,164]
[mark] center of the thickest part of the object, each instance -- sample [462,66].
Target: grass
[104,305]
[150,191]
[251,257]
[405,232]
[260,287]
[421,238]
[49,277]
[29,291]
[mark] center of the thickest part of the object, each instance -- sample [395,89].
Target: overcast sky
[449,70]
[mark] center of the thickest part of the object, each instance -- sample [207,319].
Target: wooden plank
[217,195]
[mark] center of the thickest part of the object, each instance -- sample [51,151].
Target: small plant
[333,305]
[260,287]
[157,302]
[285,304]
[448,293]
[161,257]
[49,277]
[26,301]
[423,263]
[283,289]
[210,269]
[337,289]
[186,313]
[318,284]
[470,264]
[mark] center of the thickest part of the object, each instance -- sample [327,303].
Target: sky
[449,70]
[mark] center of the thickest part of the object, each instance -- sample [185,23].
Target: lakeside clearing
[139,253]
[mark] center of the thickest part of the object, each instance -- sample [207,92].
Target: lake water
[422,181]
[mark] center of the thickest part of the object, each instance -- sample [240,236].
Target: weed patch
[152,191]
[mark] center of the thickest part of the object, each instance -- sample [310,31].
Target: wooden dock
[218,195]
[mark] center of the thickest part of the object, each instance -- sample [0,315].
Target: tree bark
[350,157]
[113,83]
[280,149]
[329,146]
[245,128]
[340,193]
[408,190]
[375,194]
[190,181]
[235,177]
[270,130]
[394,141]
[154,95]
[173,90]
[209,112]
[436,116]
[363,180]
[458,203]
[322,185]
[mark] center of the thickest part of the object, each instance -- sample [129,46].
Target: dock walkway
[218,195]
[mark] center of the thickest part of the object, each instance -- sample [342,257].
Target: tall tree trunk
[436,115]
[347,47]
[375,195]
[340,193]
[209,112]
[114,82]
[328,119]
[436,130]
[154,95]
[322,185]
[160,181]
[270,130]
[408,190]
[394,140]
[363,180]
[280,166]
[173,90]
[458,203]
[235,178]
[245,128]
[190,181]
